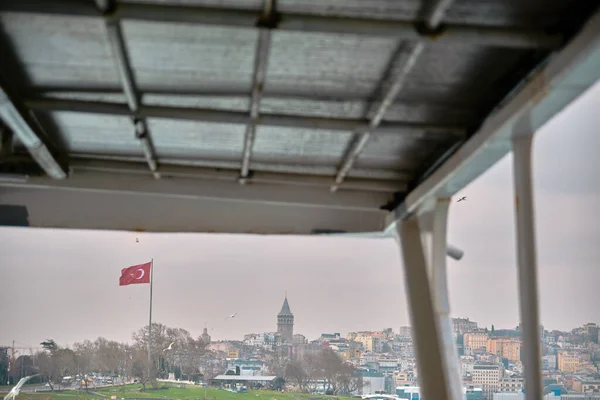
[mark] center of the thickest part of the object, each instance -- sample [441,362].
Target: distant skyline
[64,284]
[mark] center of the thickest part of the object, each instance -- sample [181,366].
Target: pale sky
[64,284]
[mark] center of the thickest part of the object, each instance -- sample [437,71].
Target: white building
[466,365]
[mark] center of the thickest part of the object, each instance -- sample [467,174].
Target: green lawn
[70,395]
[172,393]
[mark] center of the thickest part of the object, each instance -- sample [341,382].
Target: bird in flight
[14,392]
[170,347]
[462,199]
[231,316]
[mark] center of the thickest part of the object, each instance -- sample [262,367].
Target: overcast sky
[64,284]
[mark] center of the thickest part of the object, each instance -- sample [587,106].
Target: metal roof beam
[27,134]
[291,169]
[117,44]
[241,118]
[230,192]
[258,80]
[408,61]
[404,30]
[177,171]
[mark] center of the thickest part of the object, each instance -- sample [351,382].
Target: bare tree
[65,362]
[140,367]
[162,337]
[296,374]
[211,366]
[109,355]
[189,357]
[277,360]
[46,367]
[339,376]
[85,353]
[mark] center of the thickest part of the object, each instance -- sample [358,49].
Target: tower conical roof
[285,308]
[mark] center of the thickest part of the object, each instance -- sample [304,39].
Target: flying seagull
[462,199]
[231,316]
[14,392]
[170,347]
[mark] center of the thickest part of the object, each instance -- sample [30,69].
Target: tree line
[189,358]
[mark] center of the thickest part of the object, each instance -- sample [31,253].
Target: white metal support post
[439,286]
[527,266]
[425,278]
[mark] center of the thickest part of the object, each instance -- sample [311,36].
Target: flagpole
[150,323]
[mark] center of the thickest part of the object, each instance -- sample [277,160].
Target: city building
[285,323]
[466,365]
[487,376]
[462,325]
[476,339]
[299,339]
[591,332]
[265,340]
[302,351]
[568,362]
[405,332]
[233,354]
[511,384]
[549,361]
[591,387]
[506,347]
[248,367]
[372,382]
[330,337]
[369,342]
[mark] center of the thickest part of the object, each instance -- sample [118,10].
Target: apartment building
[511,384]
[568,362]
[476,340]
[509,348]
[487,376]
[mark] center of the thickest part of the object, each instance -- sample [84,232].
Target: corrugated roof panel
[313,108]
[531,13]
[310,63]
[58,50]
[187,56]
[435,113]
[299,146]
[400,153]
[456,74]
[101,134]
[191,139]
[379,9]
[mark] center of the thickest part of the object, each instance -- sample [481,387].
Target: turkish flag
[135,274]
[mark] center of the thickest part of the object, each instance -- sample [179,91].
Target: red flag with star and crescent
[135,274]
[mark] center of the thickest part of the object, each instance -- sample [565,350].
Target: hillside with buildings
[357,363]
